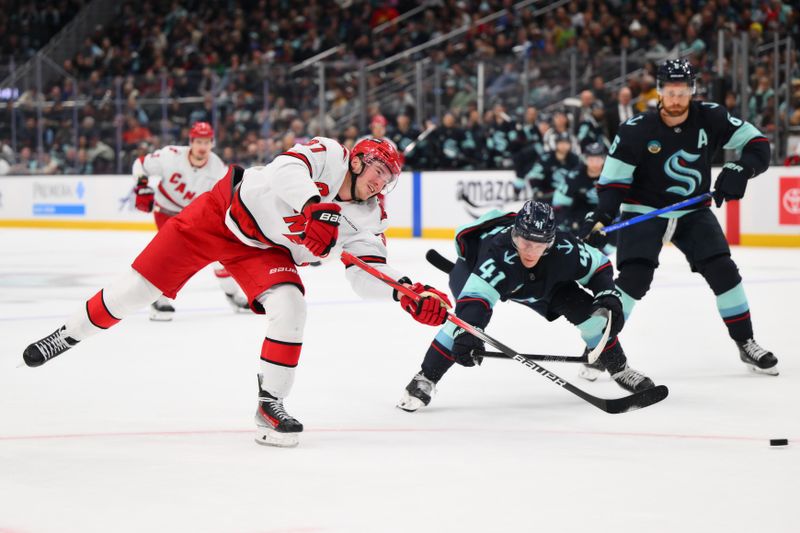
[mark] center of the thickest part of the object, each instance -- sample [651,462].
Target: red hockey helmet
[383,151]
[201,130]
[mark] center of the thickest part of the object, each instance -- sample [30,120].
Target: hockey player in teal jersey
[662,157]
[523,258]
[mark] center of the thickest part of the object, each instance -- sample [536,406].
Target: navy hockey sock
[437,362]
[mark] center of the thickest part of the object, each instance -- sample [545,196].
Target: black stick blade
[439,261]
[637,400]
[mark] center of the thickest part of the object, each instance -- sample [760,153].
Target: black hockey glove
[592,229]
[731,182]
[464,347]
[610,300]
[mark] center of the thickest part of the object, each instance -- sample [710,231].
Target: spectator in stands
[691,43]
[731,104]
[592,129]
[587,99]
[760,98]
[135,133]
[648,97]
[448,142]
[146,40]
[560,130]
[25,163]
[403,134]
[599,90]
[501,135]
[620,112]
[793,114]
[298,128]
[101,155]
[531,144]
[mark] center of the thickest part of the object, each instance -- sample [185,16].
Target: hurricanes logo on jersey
[689,178]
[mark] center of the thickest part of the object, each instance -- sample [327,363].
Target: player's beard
[675,111]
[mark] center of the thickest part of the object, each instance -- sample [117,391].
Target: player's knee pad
[122,297]
[129,293]
[635,278]
[720,272]
[285,308]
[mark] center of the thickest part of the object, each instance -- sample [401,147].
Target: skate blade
[764,371]
[270,437]
[160,316]
[589,374]
[410,404]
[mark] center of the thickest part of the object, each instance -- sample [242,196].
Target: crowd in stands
[28,26]
[160,66]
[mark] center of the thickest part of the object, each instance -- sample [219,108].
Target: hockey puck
[778,442]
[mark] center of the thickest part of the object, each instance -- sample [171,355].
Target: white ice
[148,426]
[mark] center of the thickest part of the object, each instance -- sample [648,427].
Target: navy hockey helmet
[535,222]
[675,70]
[596,149]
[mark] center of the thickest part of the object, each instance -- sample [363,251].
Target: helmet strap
[354,177]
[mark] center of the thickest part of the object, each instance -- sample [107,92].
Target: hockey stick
[421,137]
[653,214]
[439,261]
[634,401]
[539,357]
[445,265]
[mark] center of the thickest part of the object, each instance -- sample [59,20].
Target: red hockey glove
[145,195]
[322,228]
[431,309]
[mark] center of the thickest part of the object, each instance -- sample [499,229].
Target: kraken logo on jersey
[688,177]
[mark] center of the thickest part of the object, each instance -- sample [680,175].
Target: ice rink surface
[148,426]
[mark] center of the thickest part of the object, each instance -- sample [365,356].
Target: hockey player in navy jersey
[662,157]
[523,258]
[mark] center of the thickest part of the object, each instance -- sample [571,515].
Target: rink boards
[424,204]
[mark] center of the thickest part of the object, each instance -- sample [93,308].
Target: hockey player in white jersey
[261,224]
[186,172]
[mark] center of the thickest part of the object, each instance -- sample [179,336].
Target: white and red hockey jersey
[181,182]
[266,210]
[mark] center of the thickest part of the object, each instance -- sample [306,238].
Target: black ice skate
[43,350]
[632,380]
[418,393]
[757,358]
[161,310]
[274,426]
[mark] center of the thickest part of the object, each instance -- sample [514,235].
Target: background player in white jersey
[261,224]
[186,172]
